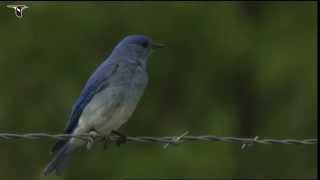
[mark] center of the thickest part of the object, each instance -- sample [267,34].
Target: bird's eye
[145,44]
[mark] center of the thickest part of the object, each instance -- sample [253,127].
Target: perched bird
[109,97]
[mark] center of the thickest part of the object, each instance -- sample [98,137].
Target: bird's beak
[155,45]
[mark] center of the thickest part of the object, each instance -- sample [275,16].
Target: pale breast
[113,106]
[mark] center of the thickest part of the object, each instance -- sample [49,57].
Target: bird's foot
[106,141]
[91,138]
[121,137]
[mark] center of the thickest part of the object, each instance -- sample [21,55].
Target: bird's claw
[106,141]
[91,138]
[121,138]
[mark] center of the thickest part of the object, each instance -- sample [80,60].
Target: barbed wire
[166,140]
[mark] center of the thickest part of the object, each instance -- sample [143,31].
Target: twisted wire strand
[164,140]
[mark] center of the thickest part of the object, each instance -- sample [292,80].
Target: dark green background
[229,69]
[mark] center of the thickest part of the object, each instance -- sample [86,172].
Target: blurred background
[230,69]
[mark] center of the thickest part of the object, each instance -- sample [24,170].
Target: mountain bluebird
[108,98]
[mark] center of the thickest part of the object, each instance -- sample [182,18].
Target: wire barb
[176,140]
[254,140]
[163,140]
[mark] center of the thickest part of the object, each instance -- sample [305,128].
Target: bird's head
[137,47]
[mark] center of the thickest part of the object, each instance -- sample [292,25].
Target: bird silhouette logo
[18,9]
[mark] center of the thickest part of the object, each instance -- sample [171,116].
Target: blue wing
[97,82]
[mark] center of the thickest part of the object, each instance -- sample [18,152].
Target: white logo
[18,9]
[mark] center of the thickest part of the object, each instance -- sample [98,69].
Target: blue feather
[97,82]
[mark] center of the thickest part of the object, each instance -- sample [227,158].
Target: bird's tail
[59,161]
